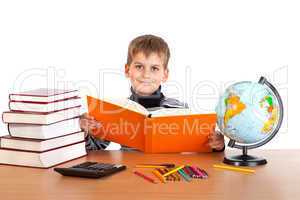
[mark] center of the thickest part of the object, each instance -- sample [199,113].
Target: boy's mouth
[146,82]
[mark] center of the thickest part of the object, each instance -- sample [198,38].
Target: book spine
[41,140]
[45,167]
[9,105]
[39,152]
[8,129]
[35,95]
[50,123]
[33,102]
[3,117]
[44,113]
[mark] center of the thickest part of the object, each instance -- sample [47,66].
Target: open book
[162,130]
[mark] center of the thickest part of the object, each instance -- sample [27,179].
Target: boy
[147,68]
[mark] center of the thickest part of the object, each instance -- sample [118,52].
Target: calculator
[91,170]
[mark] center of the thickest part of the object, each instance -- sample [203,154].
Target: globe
[249,114]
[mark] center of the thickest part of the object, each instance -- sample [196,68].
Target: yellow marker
[150,166]
[159,176]
[239,169]
[174,170]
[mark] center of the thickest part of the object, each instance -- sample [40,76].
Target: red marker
[144,177]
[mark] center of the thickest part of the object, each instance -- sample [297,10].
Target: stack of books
[44,130]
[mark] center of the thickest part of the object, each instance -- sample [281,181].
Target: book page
[128,104]
[174,112]
[170,112]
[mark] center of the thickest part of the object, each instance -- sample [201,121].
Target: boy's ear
[127,70]
[166,75]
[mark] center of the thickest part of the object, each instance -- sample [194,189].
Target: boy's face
[146,73]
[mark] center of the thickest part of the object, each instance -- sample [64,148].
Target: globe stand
[244,159]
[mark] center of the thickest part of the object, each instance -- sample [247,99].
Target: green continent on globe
[233,107]
[267,103]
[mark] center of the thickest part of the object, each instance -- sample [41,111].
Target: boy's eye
[154,69]
[138,66]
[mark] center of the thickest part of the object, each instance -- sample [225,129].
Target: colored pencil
[144,177]
[159,176]
[203,172]
[200,174]
[174,170]
[184,175]
[238,169]
[188,171]
[150,166]
[167,165]
[177,176]
[195,174]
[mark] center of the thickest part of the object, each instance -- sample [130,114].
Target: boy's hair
[148,44]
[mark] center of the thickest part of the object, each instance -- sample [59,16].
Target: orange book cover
[165,130]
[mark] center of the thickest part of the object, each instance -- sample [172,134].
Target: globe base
[244,160]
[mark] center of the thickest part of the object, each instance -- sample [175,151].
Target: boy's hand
[88,123]
[216,141]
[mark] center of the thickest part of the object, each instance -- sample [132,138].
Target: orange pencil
[159,176]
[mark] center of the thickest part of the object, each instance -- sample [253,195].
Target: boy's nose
[146,73]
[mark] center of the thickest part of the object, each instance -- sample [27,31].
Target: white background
[83,45]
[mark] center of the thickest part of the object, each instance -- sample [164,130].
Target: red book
[43,95]
[31,106]
[37,145]
[36,131]
[42,118]
[44,159]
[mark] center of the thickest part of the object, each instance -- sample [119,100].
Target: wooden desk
[279,179]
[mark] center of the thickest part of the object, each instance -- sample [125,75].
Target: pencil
[167,165]
[150,166]
[159,176]
[188,171]
[162,171]
[144,177]
[169,177]
[177,176]
[205,175]
[200,174]
[193,172]
[173,170]
[184,175]
[239,169]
